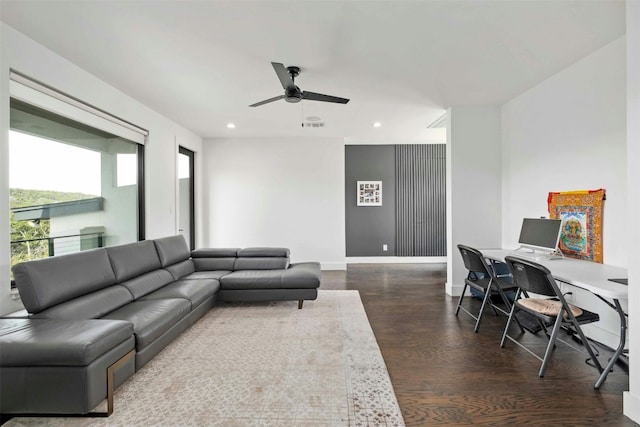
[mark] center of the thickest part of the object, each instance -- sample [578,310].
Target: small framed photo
[369,193]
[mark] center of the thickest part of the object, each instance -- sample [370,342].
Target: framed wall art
[581,215]
[369,193]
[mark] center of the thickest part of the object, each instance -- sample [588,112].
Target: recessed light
[377,124]
[231,125]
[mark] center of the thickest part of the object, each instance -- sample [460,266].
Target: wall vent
[313,124]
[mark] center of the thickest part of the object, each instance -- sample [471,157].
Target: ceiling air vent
[313,124]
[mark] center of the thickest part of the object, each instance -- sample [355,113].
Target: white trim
[40,95]
[453,290]
[397,260]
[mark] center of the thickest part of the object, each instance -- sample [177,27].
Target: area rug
[261,364]
[581,215]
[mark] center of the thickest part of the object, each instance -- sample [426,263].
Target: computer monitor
[540,234]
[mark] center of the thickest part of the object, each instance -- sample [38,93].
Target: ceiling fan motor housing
[293,94]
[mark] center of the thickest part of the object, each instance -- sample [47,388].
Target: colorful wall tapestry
[581,215]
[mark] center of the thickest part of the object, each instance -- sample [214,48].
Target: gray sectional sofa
[92,319]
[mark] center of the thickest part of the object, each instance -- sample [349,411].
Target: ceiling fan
[292,93]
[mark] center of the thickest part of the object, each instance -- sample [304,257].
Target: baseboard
[631,406]
[397,260]
[453,290]
[333,265]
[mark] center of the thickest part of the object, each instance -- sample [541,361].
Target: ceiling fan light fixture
[376,124]
[293,94]
[231,126]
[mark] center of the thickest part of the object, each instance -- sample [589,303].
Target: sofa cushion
[49,342]
[264,252]
[252,279]
[172,249]
[133,259]
[262,259]
[151,318]
[196,291]
[212,264]
[215,253]
[90,306]
[46,282]
[212,274]
[261,263]
[305,275]
[148,282]
[181,269]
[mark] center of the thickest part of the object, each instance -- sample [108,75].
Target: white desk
[587,275]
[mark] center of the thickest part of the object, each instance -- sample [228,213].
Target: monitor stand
[537,253]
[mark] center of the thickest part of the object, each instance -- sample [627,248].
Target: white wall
[24,55]
[277,192]
[473,185]
[568,133]
[632,397]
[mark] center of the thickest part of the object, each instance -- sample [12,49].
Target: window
[72,187]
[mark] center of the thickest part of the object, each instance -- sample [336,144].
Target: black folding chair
[483,278]
[533,278]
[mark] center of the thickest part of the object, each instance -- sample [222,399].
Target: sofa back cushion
[46,282]
[264,252]
[133,259]
[175,256]
[90,306]
[214,258]
[172,250]
[262,259]
[181,269]
[266,263]
[148,282]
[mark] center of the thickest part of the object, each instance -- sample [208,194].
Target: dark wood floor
[445,374]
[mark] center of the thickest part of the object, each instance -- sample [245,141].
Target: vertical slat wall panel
[420,200]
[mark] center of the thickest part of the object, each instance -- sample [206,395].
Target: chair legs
[487,295]
[550,346]
[506,328]
[479,316]
[551,341]
[460,299]
[486,300]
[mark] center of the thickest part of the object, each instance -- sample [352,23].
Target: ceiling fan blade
[283,75]
[266,101]
[312,96]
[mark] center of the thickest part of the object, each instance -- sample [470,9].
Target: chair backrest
[532,277]
[474,260]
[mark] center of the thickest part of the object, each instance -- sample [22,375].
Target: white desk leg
[619,350]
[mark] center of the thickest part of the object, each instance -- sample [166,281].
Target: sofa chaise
[94,318]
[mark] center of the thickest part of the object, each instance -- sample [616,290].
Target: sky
[42,164]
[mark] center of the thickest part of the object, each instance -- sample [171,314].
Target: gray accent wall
[370,227]
[412,218]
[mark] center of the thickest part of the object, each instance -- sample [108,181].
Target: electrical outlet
[384,247]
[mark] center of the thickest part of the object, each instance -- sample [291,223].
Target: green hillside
[20,198]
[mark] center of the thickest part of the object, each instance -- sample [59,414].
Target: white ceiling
[201,63]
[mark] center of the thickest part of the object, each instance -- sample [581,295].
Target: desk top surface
[592,276]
